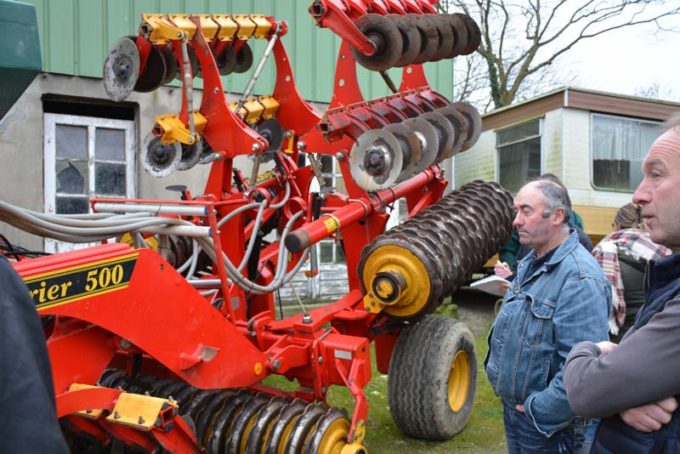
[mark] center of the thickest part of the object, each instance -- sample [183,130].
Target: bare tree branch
[522,39]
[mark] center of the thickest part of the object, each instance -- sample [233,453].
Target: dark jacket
[641,370]
[28,422]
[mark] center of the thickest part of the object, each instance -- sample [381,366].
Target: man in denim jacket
[558,298]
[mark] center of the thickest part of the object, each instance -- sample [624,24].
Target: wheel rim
[334,437]
[459,381]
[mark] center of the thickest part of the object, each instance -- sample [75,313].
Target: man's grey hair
[556,196]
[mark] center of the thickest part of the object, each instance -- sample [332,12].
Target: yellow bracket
[254,110]
[208,26]
[138,411]
[246,27]
[271,106]
[372,305]
[174,130]
[262,26]
[159,30]
[182,22]
[290,147]
[228,27]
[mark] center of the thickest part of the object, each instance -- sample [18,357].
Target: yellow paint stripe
[65,271]
[82,296]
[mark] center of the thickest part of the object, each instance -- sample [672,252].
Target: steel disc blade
[427,134]
[385,36]
[170,64]
[226,60]
[409,149]
[244,59]
[445,133]
[158,159]
[272,131]
[191,154]
[410,36]
[474,122]
[121,69]
[375,160]
[460,128]
[154,72]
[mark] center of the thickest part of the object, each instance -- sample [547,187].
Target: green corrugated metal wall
[75,36]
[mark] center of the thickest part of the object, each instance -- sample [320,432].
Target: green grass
[483,433]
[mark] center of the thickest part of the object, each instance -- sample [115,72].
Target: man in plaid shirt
[623,256]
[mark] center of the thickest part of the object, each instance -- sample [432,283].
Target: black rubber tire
[417,381]
[385,35]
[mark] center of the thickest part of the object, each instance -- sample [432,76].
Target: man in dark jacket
[28,421]
[633,384]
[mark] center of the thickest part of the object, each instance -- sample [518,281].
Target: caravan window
[618,147]
[519,154]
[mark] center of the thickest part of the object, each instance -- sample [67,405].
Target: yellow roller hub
[459,381]
[335,437]
[396,281]
[281,449]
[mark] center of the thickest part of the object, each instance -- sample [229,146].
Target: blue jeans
[524,438]
[584,434]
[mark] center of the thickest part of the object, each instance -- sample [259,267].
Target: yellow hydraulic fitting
[396,282]
[254,110]
[270,104]
[227,27]
[159,30]
[262,26]
[172,129]
[208,26]
[246,27]
[182,22]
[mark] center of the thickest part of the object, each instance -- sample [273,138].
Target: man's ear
[560,214]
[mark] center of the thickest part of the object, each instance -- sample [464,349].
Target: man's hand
[520,408]
[502,269]
[650,417]
[606,347]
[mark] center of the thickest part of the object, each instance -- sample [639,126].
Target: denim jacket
[544,314]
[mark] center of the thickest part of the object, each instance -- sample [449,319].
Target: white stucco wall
[21,145]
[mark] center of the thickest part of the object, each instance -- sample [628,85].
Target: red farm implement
[168,346]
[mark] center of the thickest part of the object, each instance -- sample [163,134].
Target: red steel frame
[161,318]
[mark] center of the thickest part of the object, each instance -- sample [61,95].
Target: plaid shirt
[638,244]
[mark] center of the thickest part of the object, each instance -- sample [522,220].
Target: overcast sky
[623,60]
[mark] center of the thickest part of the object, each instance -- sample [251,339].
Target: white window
[618,147]
[519,154]
[86,157]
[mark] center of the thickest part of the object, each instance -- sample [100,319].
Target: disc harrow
[178,320]
[242,420]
